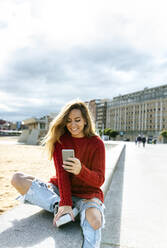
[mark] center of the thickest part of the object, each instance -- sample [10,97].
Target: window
[42,126]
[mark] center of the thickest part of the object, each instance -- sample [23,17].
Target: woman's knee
[94,218]
[95,224]
[16,178]
[21,182]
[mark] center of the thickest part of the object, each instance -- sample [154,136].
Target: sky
[53,51]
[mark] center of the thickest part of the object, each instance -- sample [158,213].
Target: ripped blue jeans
[46,195]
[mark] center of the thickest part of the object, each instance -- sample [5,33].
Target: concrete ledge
[29,226]
[111,231]
[113,153]
[24,136]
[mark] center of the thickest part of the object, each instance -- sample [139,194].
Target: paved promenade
[138,215]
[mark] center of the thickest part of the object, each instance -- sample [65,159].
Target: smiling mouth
[74,129]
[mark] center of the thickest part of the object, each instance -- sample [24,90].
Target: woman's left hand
[61,211]
[73,166]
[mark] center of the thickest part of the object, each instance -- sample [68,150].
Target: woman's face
[75,123]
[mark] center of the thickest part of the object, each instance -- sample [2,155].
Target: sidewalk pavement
[138,202]
[29,226]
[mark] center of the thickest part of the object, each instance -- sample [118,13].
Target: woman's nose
[73,123]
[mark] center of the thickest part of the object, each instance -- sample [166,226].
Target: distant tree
[111,133]
[100,132]
[107,131]
[164,133]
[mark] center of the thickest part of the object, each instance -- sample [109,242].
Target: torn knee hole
[95,224]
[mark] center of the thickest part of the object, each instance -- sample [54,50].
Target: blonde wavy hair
[58,126]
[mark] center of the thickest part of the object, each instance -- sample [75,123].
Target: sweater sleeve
[96,175]
[64,183]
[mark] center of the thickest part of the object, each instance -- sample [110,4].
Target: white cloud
[6,108]
[52,51]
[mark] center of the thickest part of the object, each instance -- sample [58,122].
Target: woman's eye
[69,121]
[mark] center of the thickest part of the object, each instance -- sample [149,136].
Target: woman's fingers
[69,163]
[56,217]
[72,215]
[73,165]
[63,210]
[68,166]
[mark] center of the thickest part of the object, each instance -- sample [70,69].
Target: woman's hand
[73,165]
[61,211]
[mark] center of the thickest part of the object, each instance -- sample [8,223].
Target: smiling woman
[76,123]
[76,188]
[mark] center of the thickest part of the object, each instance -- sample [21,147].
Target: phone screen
[67,153]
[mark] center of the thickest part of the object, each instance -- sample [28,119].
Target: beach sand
[16,157]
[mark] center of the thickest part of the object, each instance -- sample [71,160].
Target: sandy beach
[19,157]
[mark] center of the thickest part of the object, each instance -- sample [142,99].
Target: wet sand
[16,157]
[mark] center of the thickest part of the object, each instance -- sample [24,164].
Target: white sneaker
[66,218]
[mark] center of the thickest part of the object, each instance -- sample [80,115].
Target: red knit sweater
[91,153]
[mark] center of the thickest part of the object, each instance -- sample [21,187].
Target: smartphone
[67,153]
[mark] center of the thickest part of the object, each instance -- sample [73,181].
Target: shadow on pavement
[37,231]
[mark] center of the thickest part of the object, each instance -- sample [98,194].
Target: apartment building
[143,112]
[98,109]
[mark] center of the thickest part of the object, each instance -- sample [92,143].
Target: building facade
[143,112]
[98,109]
[35,130]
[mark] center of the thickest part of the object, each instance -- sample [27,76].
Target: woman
[77,183]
